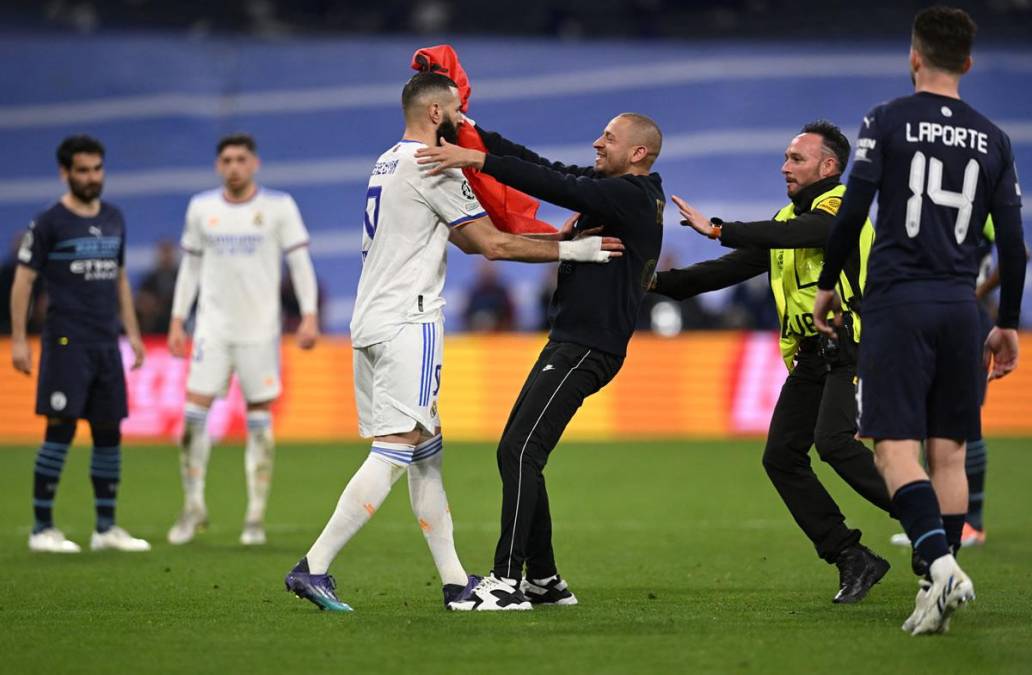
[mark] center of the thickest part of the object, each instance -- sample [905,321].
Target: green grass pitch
[681,553]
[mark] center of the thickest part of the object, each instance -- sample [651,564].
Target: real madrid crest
[258,219]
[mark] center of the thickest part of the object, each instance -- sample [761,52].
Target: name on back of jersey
[948,135]
[385,168]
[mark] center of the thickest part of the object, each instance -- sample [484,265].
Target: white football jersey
[241,248]
[408,216]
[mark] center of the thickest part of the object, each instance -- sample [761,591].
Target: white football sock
[258,457]
[193,455]
[361,498]
[430,506]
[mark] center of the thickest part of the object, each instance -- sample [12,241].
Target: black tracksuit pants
[565,374]
[817,406]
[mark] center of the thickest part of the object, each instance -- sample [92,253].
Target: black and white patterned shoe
[550,591]
[489,594]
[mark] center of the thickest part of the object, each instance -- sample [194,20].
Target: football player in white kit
[234,240]
[397,332]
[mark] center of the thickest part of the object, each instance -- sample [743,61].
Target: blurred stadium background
[318,81]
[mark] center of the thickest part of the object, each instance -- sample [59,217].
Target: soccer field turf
[681,553]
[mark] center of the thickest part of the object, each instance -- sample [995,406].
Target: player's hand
[21,356]
[566,231]
[1000,354]
[177,339]
[308,331]
[447,156]
[693,217]
[139,353]
[827,302]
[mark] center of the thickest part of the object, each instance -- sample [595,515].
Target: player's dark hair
[238,139]
[73,145]
[943,36]
[423,83]
[834,140]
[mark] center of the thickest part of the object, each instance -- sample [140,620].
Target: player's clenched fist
[21,356]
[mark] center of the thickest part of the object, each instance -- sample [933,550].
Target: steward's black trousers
[565,374]
[817,406]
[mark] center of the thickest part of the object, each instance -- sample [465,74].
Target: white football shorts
[257,367]
[397,381]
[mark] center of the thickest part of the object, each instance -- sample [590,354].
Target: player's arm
[21,292]
[1000,353]
[497,144]
[480,236]
[306,288]
[293,239]
[128,314]
[712,275]
[845,234]
[188,281]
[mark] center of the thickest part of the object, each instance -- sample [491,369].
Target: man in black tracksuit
[817,405]
[594,307]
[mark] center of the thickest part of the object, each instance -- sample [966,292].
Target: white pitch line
[550,85]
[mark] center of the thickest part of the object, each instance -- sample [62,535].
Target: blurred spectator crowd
[489,305]
[567,19]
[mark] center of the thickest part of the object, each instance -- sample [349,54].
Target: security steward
[817,404]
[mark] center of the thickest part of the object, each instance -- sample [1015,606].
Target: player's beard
[85,192]
[448,131]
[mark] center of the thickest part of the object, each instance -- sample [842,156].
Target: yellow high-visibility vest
[793,278]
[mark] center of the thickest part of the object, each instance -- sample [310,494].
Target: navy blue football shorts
[919,371]
[81,381]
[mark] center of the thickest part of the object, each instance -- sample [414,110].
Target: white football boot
[117,539]
[253,534]
[52,540]
[950,589]
[190,522]
[900,539]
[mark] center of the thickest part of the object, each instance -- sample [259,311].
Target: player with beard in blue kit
[78,247]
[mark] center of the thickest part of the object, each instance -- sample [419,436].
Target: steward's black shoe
[859,570]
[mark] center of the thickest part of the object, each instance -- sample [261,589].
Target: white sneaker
[900,539]
[253,534]
[52,540]
[950,589]
[117,539]
[190,522]
[491,595]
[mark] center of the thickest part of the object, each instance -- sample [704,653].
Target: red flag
[510,210]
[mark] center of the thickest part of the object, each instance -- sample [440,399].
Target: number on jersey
[962,201]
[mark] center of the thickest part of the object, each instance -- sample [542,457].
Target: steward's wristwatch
[718,226]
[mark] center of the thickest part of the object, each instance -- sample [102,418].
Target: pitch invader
[78,246]
[397,332]
[234,240]
[939,168]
